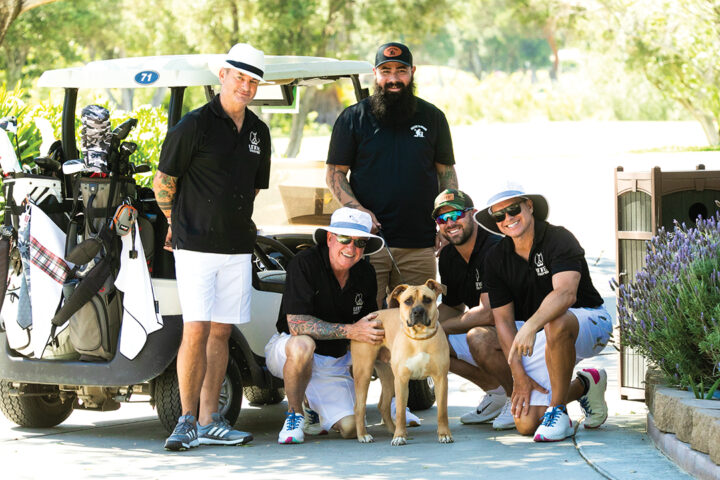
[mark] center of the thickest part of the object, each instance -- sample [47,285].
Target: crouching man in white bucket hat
[548,315]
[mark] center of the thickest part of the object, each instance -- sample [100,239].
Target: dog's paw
[367,438]
[445,438]
[397,441]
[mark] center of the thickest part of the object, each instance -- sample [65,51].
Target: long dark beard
[390,107]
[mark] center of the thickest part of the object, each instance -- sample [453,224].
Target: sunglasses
[511,210]
[345,240]
[453,215]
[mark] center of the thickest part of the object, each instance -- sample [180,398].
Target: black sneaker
[184,436]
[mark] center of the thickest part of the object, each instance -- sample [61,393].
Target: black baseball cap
[393,52]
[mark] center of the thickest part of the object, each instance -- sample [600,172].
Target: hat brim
[540,210]
[393,60]
[375,243]
[216,65]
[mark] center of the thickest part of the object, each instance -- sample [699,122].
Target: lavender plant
[671,313]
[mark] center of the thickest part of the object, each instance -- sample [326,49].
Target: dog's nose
[419,316]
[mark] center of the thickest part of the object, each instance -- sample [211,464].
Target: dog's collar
[418,337]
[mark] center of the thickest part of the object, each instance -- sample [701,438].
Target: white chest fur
[417,365]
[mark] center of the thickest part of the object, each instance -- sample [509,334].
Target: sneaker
[490,406]
[312,421]
[411,420]
[292,431]
[220,432]
[556,425]
[505,420]
[185,435]
[593,402]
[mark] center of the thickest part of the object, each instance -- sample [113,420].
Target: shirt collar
[217,109]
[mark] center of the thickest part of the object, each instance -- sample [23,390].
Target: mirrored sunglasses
[511,210]
[453,215]
[345,240]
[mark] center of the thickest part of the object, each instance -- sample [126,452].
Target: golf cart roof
[192,70]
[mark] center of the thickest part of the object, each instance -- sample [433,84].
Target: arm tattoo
[316,328]
[447,177]
[340,187]
[165,188]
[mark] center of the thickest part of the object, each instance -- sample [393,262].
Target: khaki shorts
[416,265]
[331,390]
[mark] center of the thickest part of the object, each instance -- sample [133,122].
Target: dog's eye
[427,300]
[408,301]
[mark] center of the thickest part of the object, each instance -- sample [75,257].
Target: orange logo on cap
[448,197]
[392,51]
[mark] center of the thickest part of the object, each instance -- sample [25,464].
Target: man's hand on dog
[523,386]
[367,329]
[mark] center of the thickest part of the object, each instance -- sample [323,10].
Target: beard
[465,235]
[393,107]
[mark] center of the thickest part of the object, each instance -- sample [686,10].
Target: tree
[10,9]
[675,44]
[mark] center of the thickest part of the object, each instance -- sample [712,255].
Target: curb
[693,462]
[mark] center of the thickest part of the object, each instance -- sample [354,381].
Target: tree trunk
[10,9]
[549,32]
[298,122]
[158,96]
[710,127]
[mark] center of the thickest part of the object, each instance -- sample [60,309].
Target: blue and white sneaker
[556,425]
[185,435]
[292,431]
[313,426]
[220,432]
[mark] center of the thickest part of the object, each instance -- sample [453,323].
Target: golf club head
[127,148]
[74,166]
[9,124]
[48,164]
[142,168]
[122,130]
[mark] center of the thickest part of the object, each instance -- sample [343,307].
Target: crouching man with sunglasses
[547,313]
[329,295]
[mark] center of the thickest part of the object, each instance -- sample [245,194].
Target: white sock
[497,391]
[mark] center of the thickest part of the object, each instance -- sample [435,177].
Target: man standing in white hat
[212,165]
[547,313]
[329,299]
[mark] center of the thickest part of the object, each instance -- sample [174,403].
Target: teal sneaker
[185,435]
[220,432]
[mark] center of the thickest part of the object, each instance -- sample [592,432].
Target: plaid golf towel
[54,266]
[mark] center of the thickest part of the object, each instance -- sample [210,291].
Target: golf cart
[42,392]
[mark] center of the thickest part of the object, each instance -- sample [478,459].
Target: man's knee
[346,427]
[220,331]
[563,328]
[528,424]
[195,333]
[300,349]
[482,342]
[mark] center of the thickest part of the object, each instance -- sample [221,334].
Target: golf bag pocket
[95,327]
[101,197]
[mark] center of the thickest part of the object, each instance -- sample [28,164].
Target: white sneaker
[556,425]
[490,406]
[505,420]
[312,421]
[411,420]
[593,402]
[292,431]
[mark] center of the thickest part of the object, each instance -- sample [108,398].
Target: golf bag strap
[4,264]
[84,291]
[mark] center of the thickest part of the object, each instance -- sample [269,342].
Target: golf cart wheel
[263,396]
[35,411]
[167,396]
[421,394]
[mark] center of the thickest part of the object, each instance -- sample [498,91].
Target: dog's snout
[419,316]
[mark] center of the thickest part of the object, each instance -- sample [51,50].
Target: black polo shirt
[312,289]
[510,278]
[464,280]
[218,170]
[392,168]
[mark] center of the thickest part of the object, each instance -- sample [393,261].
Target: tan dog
[418,349]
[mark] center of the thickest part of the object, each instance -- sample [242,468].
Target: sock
[585,384]
[497,391]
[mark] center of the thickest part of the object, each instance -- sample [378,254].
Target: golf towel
[140,315]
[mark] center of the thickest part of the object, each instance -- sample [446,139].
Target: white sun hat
[352,223]
[242,57]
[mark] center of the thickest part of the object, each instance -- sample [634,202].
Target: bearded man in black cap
[399,153]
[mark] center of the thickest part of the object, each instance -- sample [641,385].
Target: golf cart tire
[167,396]
[421,394]
[263,396]
[35,411]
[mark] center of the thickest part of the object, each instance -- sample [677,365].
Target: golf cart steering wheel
[263,261]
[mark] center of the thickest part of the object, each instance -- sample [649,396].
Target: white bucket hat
[242,57]
[352,223]
[511,190]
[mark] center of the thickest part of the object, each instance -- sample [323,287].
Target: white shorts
[214,287]
[458,342]
[595,327]
[331,390]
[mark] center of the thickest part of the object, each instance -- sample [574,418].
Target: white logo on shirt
[358,303]
[478,283]
[419,130]
[540,268]
[254,141]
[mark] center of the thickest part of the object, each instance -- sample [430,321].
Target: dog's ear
[436,287]
[392,299]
